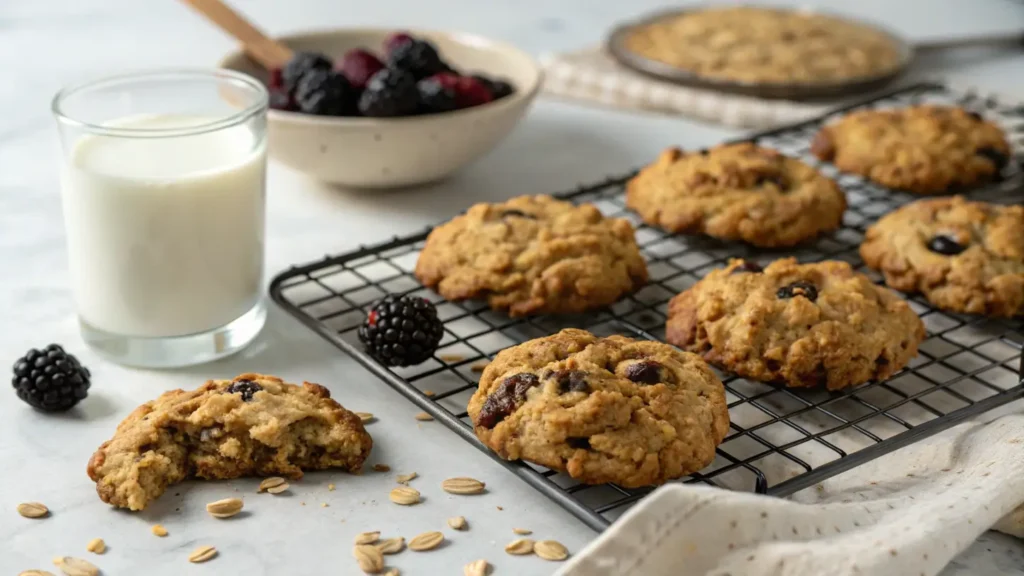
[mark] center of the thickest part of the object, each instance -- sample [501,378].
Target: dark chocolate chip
[974,115]
[578,443]
[805,289]
[644,372]
[998,158]
[947,245]
[503,401]
[571,381]
[882,361]
[747,266]
[517,214]
[244,387]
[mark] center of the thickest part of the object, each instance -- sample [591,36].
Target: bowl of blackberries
[376,108]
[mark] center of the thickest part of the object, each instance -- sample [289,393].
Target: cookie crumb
[158,530]
[381,468]
[424,417]
[96,546]
[330,487]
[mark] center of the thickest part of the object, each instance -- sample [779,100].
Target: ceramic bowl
[394,152]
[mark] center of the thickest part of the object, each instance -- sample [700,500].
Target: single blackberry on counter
[401,330]
[50,379]
[498,88]
[438,93]
[418,57]
[326,93]
[299,65]
[390,92]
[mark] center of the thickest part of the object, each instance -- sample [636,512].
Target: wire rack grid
[781,440]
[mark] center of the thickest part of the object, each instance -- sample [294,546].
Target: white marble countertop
[44,45]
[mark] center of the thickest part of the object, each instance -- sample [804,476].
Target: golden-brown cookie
[819,324]
[766,45]
[252,425]
[737,192]
[963,256]
[533,255]
[602,409]
[925,149]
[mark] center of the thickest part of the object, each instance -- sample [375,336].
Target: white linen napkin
[593,75]
[905,514]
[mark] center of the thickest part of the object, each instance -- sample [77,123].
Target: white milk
[165,235]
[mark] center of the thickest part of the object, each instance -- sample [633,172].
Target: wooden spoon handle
[267,52]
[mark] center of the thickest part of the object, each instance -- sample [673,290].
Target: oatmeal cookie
[613,409]
[820,324]
[924,149]
[963,256]
[533,255]
[737,192]
[252,425]
[766,46]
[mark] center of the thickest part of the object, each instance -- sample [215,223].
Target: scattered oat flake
[499,508]
[158,530]
[424,417]
[550,550]
[324,505]
[75,566]
[35,573]
[96,546]
[391,545]
[452,357]
[405,496]
[382,468]
[457,523]
[406,478]
[392,572]
[426,541]
[330,487]
[202,554]
[364,416]
[225,508]
[479,366]
[522,531]
[367,538]
[520,547]
[33,509]
[463,486]
[274,485]
[477,568]
[369,558]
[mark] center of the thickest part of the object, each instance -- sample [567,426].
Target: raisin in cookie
[924,149]
[252,425]
[617,410]
[737,192]
[533,255]
[820,324]
[963,256]
[766,45]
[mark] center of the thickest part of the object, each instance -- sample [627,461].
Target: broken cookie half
[253,425]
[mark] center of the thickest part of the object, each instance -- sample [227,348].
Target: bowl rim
[525,94]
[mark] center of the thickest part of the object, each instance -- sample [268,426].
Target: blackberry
[390,92]
[50,379]
[498,88]
[417,57]
[401,330]
[326,93]
[299,65]
[438,93]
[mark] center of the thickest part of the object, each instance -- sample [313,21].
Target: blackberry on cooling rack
[401,330]
[50,379]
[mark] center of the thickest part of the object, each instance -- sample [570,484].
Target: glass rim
[261,104]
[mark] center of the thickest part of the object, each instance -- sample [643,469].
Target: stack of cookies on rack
[643,412]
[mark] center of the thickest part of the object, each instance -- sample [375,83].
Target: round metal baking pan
[790,91]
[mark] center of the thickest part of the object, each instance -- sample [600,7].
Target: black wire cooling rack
[781,440]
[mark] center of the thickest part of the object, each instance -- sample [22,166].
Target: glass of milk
[163,186]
